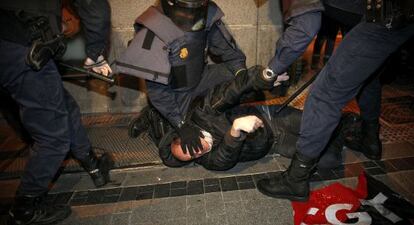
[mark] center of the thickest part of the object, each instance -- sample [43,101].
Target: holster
[46,43]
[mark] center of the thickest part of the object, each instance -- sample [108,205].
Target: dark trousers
[359,55]
[47,111]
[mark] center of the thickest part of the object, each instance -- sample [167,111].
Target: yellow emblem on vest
[183,53]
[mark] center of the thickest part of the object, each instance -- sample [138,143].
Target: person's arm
[225,155]
[295,39]
[223,49]
[96,25]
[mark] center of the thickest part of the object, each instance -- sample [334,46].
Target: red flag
[333,204]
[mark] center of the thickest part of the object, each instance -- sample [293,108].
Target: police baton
[109,79]
[297,93]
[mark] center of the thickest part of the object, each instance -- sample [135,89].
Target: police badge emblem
[183,53]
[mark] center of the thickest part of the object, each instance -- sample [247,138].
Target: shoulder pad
[214,14]
[160,24]
[146,57]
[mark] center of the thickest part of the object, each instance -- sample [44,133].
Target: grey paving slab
[121,219]
[214,204]
[231,196]
[176,221]
[195,200]
[143,214]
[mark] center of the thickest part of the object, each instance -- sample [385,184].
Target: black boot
[292,184]
[31,209]
[371,143]
[98,168]
[139,124]
[368,143]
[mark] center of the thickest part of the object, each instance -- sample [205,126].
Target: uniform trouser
[369,97]
[360,54]
[48,112]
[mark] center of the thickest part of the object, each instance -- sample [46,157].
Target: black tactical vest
[188,66]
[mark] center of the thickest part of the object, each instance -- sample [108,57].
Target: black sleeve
[95,18]
[225,155]
[223,49]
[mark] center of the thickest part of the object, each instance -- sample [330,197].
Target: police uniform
[183,54]
[48,112]
[359,55]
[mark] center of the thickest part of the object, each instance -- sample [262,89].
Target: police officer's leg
[44,115]
[369,101]
[98,168]
[362,51]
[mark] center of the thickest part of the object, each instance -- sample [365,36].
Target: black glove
[259,81]
[190,138]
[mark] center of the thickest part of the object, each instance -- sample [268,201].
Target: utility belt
[393,14]
[45,38]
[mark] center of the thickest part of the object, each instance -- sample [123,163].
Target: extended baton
[110,79]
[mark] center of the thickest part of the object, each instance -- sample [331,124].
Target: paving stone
[228,184]
[211,182]
[179,185]
[235,212]
[196,213]
[195,200]
[231,196]
[214,204]
[212,188]
[162,190]
[95,197]
[176,221]
[121,219]
[169,208]
[246,185]
[246,178]
[195,187]
[178,192]
[142,214]
[251,195]
[128,194]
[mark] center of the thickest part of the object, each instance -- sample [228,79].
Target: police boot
[98,168]
[292,184]
[139,124]
[32,209]
[371,144]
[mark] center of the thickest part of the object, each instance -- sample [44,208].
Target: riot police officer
[30,37]
[189,30]
[388,25]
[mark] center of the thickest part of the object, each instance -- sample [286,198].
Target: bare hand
[101,66]
[247,124]
[280,78]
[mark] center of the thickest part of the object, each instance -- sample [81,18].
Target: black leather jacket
[227,151]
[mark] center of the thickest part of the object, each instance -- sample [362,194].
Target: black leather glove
[260,80]
[190,138]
